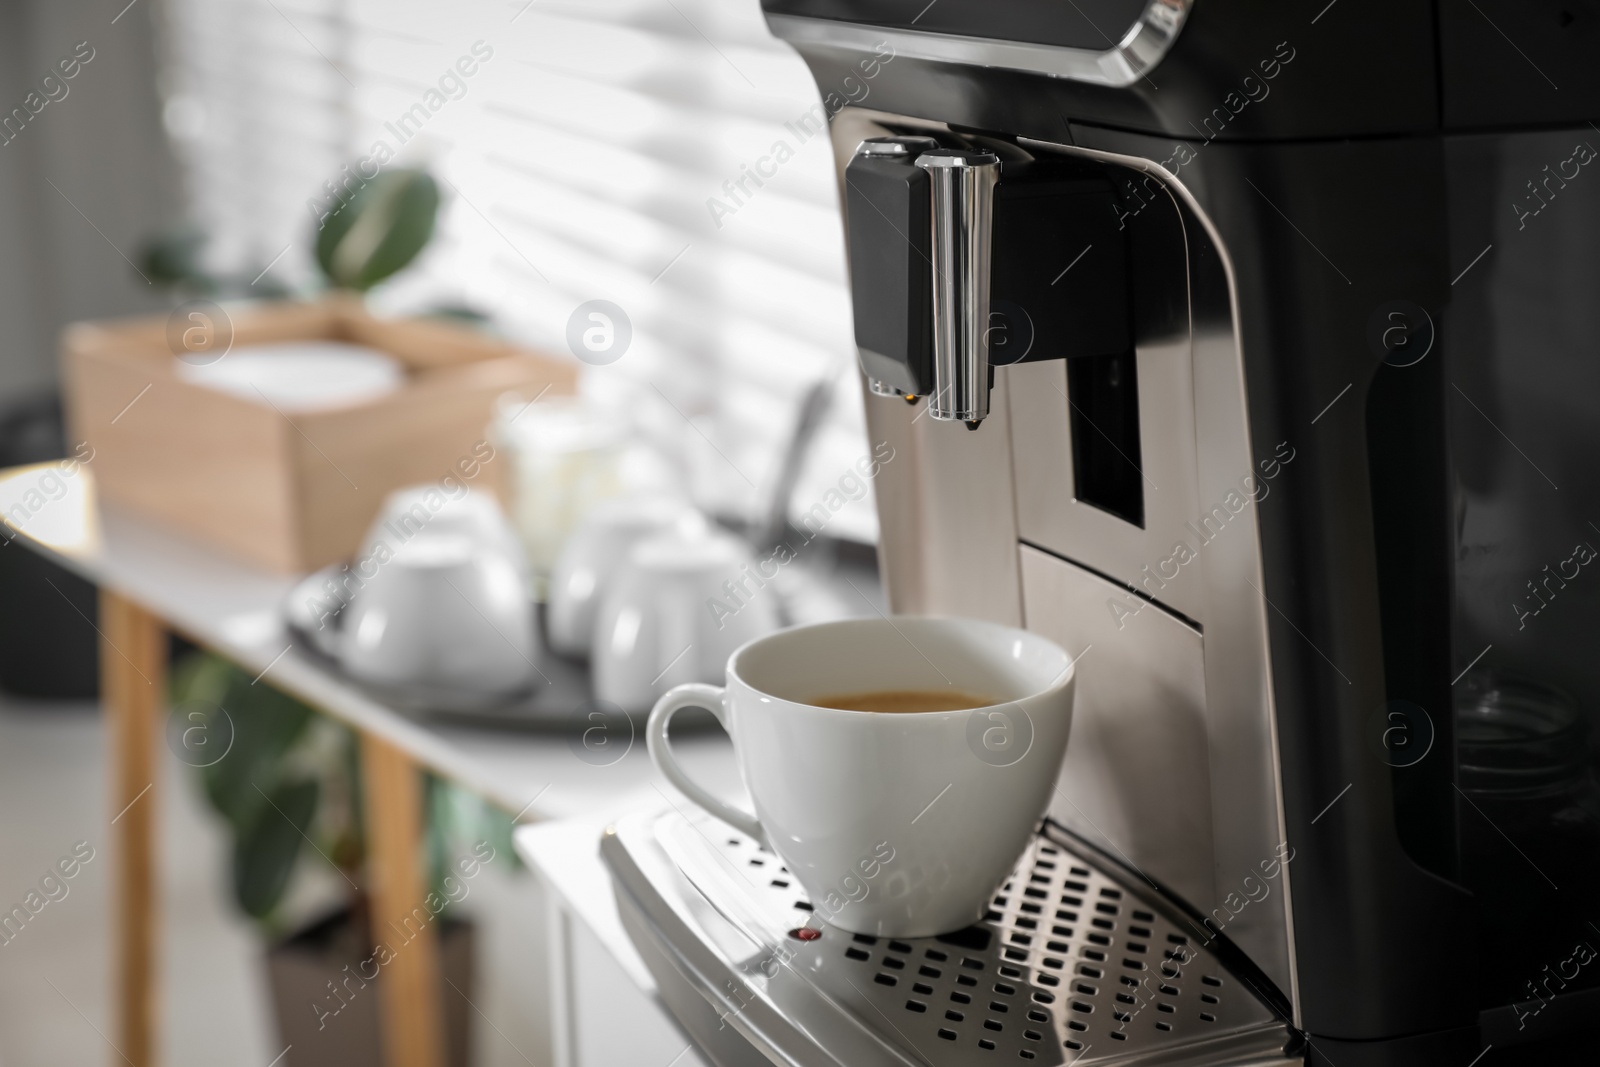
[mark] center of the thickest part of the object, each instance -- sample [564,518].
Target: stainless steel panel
[948,506]
[948,536]
[1247,792]
[1137,778]
[1049,515]
[1075,964]
[946,502]
[1241,727]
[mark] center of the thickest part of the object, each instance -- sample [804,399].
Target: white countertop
[234,609]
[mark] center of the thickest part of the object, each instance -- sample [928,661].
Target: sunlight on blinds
[622,150]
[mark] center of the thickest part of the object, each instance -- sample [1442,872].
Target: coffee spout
[961,195]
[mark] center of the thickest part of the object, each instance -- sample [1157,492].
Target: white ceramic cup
[674,614]
[428,508]
[896,824]
[443,619]
[596,552]
[415,513]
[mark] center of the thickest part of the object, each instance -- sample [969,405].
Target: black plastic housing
[1060,267]
[891,269]
[1248,70]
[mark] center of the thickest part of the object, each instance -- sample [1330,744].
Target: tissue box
[289,492]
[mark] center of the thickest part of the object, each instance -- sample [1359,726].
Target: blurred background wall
[83,181]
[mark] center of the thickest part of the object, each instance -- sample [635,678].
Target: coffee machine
[1247,350]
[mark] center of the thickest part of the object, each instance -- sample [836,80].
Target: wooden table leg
[133,686]
[413,1027]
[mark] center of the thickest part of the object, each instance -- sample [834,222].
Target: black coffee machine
[1252,350]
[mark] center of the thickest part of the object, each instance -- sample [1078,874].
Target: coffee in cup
[906,700]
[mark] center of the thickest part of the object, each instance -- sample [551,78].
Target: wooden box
[289,492]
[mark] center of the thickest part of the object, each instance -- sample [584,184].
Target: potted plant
[287,784]
[361,239]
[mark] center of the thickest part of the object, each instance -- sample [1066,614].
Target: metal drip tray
[1071,966]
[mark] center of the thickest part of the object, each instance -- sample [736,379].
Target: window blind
[586,151]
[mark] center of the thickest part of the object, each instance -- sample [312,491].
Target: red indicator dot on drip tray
[805,933]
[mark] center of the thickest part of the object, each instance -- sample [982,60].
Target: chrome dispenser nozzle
[962,197]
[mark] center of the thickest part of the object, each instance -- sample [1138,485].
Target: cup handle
[694,695]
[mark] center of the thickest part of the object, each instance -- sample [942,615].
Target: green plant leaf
[437,835]
[266,725]
[499,830]
[199,677]
[172,258]
[264,856]
[261,726]
[379,230]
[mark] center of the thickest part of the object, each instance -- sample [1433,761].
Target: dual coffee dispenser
[1251,352]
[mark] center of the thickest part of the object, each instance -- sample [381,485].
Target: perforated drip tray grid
[1071,965]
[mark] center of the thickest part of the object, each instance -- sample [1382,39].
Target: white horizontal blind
[581,147]
[259,119]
